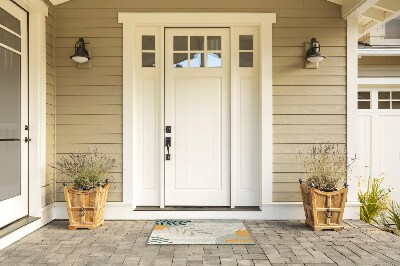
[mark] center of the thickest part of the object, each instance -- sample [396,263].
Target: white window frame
[131,152]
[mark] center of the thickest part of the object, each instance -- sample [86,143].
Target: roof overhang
[371,13]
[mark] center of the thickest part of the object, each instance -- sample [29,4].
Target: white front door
[197,108]
[378,135]
[13,113]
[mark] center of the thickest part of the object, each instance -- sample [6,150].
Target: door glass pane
[246,42]
[214,43]
[180,43]
[10,40]
[197,60]
[180,60]
[7,20]
[148,42]
[246,59]
[197,43]
[10,121]
[148,59]
[214,60]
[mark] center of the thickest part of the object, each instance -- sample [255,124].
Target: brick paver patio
[278,243]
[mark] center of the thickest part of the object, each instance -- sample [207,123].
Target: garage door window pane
[364,95]
[396,95]
[383,95]
[364,105]
[396,105]
[384,105]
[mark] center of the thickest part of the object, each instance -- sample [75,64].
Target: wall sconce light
[81,54]
[313,55]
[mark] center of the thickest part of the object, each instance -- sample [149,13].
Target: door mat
[200,232]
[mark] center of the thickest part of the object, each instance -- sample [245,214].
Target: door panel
[197,104]
[198,133]
[13,113]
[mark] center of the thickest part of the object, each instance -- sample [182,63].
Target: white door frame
[37,12]
[131,124]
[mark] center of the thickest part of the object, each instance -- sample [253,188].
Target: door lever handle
[168,144]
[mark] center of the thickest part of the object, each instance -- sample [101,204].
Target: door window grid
[148,51]
[246,50]
[197,51]
[364,100]
[389,100]
[379,99]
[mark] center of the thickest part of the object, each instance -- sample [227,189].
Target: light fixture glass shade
[79,59]
[81,54]
[313,54]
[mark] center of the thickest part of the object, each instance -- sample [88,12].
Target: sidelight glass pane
[180,43]
[10,40]
[10,121]
[148,42]
[246,59]
[148,59]
[246,42]
[180,60]
[7,20]
[197,60]
[214,60]
[214,43]
[196,43]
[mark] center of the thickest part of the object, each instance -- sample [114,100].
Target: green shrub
[374,201]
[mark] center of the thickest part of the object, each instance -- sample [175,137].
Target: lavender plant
[86,170]
[325,166]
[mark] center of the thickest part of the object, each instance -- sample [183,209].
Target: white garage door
[379,136]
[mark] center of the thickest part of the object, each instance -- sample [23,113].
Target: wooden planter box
[323,210]
[85,207]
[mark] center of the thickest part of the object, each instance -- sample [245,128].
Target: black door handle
[168,144]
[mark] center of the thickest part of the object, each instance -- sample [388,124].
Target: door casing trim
[131,148]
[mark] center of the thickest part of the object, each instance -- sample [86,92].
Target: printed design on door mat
[200,232]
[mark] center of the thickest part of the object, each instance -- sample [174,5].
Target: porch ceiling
[371,13]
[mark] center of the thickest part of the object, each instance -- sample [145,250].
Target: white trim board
[132,127]
[270,211]
[379,80]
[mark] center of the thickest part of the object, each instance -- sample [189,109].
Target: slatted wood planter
[323,210]
[85,207]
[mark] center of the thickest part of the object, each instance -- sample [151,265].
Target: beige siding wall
[50,106]
[309,105]
[379,66]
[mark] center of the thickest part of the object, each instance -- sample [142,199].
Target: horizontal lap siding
[48,188]
[379,66]
[309,105]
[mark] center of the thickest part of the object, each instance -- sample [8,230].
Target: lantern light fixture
[81,54]
[313,54]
